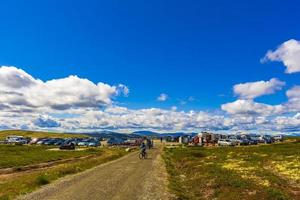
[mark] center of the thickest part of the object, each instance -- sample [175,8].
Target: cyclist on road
[143,148]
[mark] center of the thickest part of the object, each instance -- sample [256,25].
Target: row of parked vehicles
[212,139]
[233,140]
[88,142]
[64,143]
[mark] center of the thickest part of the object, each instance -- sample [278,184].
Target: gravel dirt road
[126,178]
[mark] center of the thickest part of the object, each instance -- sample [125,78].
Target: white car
[278,138]
[83,143]
[226,142]
[234,140]
[94,144]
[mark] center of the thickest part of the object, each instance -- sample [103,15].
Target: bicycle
[143,155]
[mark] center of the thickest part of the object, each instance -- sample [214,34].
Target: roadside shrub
[42,180]
[276,195]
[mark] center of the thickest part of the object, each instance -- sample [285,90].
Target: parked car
[42,141]
[94,144]
[14,139]
[268,139]
[260,139]
[83,143]
[233,139]
[115,141]
[59,142]
[67,146]
[253,139]
[225,142]
[86,141]
[50,141]
[253,142]
[243,141]
[278,138]
[75,140]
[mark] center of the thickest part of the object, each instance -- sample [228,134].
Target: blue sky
[184,49]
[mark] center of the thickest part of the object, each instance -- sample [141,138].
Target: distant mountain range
[146,133]
[136,134]
[111,134]
[155,134]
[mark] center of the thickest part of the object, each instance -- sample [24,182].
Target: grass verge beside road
[250,172]
[18,156]
[14,185]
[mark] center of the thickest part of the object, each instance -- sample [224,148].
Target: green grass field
[252,172]
[38,134]
[18,156]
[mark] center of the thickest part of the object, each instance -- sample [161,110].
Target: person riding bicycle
[143,148]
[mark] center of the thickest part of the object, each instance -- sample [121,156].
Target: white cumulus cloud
[18,88]
[293,104]
[288,53]
[252,90]
[249,107]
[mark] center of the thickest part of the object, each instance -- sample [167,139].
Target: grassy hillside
[252,172]
[18,156]
[38,134]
